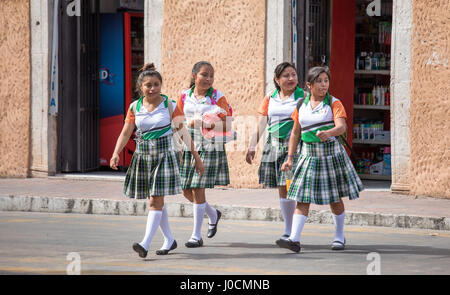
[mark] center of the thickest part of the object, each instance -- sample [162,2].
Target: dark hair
[197,68]
[315,72]
[148,70]
[280,69]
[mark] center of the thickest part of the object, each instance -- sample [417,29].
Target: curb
[140,208]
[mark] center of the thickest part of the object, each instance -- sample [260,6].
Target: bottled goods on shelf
[380,96]
[371,130]
[373,61]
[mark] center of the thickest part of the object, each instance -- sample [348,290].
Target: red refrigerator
[121,56]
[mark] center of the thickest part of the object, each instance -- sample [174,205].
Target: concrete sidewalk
[103,195]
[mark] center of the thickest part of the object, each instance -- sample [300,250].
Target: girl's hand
[287,165]
[323,135]
[114,161]
[209,125]
[199,167]
[250,156]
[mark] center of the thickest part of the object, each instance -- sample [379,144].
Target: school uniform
[211,152]
[324,173]
[276,147]
[154,168]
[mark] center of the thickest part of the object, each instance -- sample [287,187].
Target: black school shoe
[338,245]
[212,232]
[288,244]
[194,244]
[165,252]
[140,250]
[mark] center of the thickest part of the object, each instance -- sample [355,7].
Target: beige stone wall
[231,35]
[14,88]
[430,100]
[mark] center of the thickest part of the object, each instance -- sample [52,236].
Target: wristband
[291,156]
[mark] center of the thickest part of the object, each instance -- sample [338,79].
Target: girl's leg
[210,211]
[338,213]
[298,221]
[153,221]
[189,194]
[287,210]
[199,212]
[165,230]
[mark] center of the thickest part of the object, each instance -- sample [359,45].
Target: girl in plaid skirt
[154,171]
[324,173]
[276,111]
[193,104]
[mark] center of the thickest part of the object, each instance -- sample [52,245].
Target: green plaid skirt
[324,174]
[274,154]
[153,170]
[214,158]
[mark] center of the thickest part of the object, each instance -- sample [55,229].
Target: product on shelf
[378,96]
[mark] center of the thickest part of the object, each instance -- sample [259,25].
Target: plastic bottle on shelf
[374,95]
[375,61]
[383,92]
[368,62]
[387,98]
[356,131]
[382,62]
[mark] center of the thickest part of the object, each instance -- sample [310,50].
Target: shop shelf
[373,72]
[374,177]
[371,107]
[377,142]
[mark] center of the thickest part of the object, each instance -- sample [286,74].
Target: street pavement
[102,194]
[49,243]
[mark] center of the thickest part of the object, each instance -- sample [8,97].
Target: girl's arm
[124,136]
[339,129]
[293,143]
[262,123]
[184,134]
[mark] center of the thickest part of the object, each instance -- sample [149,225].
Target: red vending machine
[121,56]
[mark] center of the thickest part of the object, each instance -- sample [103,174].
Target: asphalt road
[40,243]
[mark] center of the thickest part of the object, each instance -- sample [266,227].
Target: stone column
[278,37]
[43,126]
[400,95]
[153,22]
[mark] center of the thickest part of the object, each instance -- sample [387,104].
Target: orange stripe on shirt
[338,110]
[264,107]
[130,118]
[223,103]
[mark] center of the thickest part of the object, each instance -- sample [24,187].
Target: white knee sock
[199,212]
[153,220]
[212,214]
[165,229]
[298,221]
[339,221]
[287,210]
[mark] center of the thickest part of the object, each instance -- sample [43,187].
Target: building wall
[231,35]
[430,101]
[14,88]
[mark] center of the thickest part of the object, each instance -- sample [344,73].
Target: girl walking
[195,106]
[276,110]
[324,173]
[154,171]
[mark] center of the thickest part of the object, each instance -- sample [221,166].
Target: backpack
[341,138]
